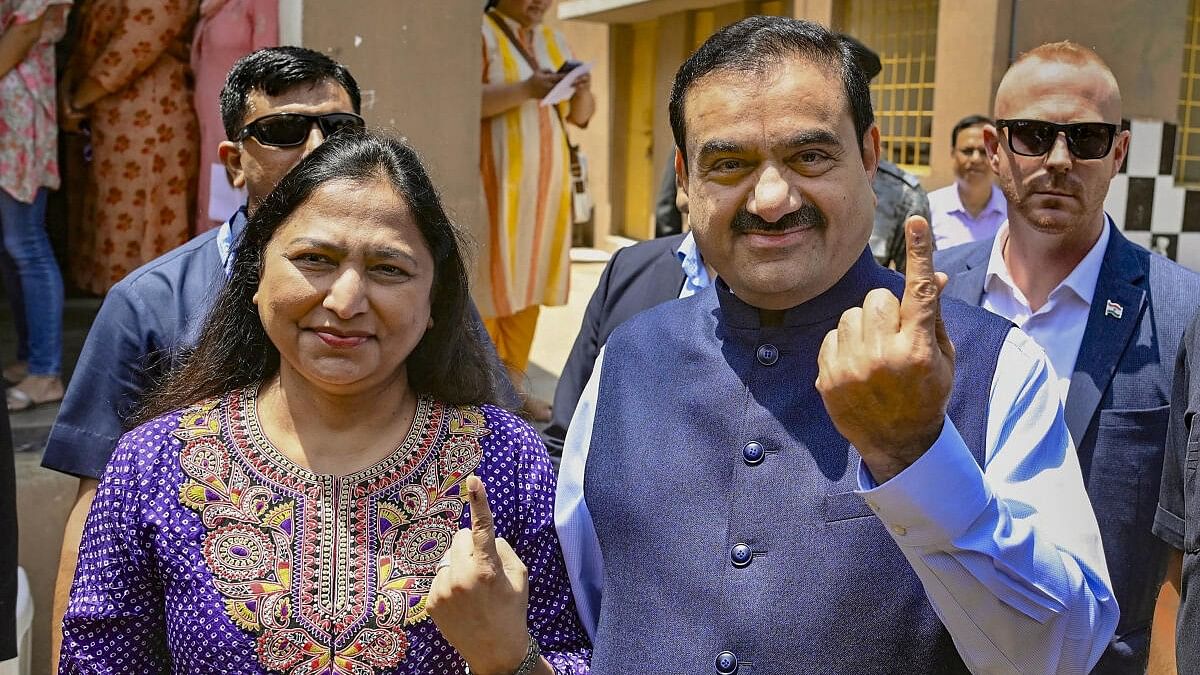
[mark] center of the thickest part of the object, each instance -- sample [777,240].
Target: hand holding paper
[566,86]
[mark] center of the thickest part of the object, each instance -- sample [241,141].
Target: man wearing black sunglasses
[278,104]
[1109,313]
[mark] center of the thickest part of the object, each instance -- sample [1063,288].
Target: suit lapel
[1120,290]
[967,285]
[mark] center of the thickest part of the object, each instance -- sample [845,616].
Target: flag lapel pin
[1112,309]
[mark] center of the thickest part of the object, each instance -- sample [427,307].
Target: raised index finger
[483,528]
[919,306]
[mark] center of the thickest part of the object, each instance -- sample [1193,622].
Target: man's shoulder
[1172,285]
[891,173]
[636,256]
[958,258]
[938,198]
[1191,343]
[1175,288]
[199,257]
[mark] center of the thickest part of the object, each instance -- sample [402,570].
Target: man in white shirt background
[1109,313]
[972,207]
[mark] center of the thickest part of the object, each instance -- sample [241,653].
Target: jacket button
[768,354]
[727,663]
[753,453]
[741,555]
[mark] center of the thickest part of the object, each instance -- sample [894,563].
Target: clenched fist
[885,373]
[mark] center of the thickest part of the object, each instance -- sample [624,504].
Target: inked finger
[483,528]
[919,305]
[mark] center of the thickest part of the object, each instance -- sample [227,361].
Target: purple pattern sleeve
[114,621]
[520,481]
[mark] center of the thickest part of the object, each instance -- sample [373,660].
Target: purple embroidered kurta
[207,551]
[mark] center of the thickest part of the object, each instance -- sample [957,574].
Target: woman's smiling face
[344,293]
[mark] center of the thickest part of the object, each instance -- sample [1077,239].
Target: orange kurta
[526,184]
[144,135]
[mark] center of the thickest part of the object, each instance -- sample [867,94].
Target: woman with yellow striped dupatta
[526,178]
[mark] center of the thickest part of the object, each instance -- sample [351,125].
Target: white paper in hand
[565,88]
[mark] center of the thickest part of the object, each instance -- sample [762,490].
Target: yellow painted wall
[638,98]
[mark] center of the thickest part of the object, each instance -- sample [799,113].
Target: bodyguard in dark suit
[637,277]
[1057,249]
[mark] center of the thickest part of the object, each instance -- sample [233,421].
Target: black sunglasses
[285,130]
[1034,138]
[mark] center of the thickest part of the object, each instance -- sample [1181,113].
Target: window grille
[904,34]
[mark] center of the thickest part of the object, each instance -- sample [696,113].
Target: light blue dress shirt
[1009,555]
[695,275]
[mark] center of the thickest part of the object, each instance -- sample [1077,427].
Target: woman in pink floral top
[28,170]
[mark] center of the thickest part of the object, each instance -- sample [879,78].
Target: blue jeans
[32,282]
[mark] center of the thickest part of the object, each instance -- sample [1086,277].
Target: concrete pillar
[973,41]
[590,43]
[412,83]
[674,46]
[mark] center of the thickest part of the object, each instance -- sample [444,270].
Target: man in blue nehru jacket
[816,465]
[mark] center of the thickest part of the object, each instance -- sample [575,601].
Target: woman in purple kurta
[212,548]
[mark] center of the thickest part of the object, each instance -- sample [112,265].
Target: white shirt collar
[1081,280]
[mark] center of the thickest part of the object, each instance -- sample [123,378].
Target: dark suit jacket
[1116,411]
[637,277]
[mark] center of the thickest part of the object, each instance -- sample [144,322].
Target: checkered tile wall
[1144,200]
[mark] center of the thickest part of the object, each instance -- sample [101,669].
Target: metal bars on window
[904,34]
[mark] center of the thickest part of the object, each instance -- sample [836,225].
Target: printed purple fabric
[207,551]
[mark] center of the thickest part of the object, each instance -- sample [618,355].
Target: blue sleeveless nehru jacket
[724,499]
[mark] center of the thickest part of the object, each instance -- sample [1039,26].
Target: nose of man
[315,138]
[772,196]
[1059,158]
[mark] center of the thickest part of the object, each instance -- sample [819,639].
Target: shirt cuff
[1168,527]
[935,499]
[78,452]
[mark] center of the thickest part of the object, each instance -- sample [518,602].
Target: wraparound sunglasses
[286,130]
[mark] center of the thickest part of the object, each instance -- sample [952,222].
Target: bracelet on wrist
[532,656]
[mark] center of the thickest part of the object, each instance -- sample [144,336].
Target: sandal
[16,372]
[33,391]
[18,401]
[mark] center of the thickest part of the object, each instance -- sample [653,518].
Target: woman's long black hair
[450,363]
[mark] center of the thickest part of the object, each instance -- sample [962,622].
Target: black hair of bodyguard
[450,363]
[274,70]
[755,44]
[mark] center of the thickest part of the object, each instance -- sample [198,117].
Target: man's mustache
[1055,183]
[807,215]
